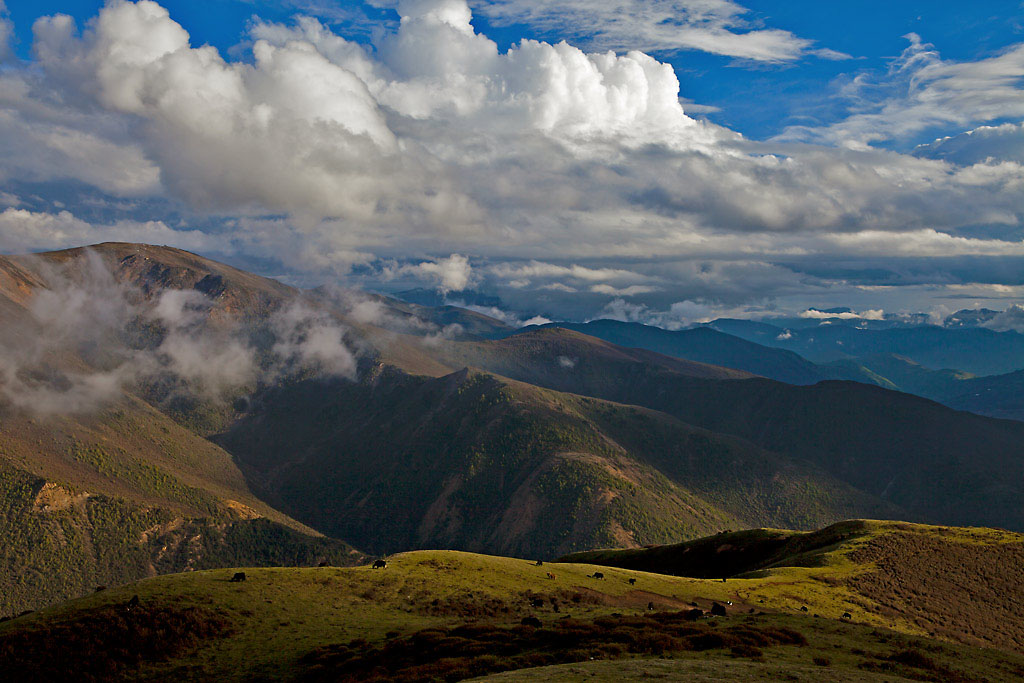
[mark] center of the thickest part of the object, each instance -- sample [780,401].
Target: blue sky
[757,99]
[809,164]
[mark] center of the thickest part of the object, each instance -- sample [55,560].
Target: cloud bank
[549,173]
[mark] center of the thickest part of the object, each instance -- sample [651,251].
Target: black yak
[380,564]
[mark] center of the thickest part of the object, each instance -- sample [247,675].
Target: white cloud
[1010,319]
[922,91]
[984,144]
[632,290]
[679,315]
[716,26]
[815,314]
[451,274]
[552,171]
[22,230]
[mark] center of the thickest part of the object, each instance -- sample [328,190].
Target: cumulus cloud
[452,274]
[562,174]
[983,144]
[679,315]
[23,230]
[1010,319]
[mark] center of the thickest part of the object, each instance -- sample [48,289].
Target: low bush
[453,654]
[107,642]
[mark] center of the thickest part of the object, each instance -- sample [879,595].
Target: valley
[207,421]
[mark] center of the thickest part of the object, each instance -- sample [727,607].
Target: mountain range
[999,395]
[185,414]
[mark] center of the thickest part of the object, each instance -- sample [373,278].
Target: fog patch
[94,338]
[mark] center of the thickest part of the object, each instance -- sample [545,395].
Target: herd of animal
[537,602]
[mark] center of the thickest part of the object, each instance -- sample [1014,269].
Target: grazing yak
[550,575]
[132,604]
[650,606]
[693,614]
[531,621]
[847,615]
[632,582]
[718,610]
[537,602]
[239,576]
[597,575]
[380,564]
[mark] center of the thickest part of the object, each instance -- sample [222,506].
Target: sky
[665,161]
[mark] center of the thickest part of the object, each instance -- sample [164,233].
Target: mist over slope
[395,426]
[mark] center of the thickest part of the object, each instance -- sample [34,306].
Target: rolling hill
[444,615]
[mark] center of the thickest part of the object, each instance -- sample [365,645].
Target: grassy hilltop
[445,615]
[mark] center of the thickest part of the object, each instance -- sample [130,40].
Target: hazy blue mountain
[975,350]
[944,465]
[704,345]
